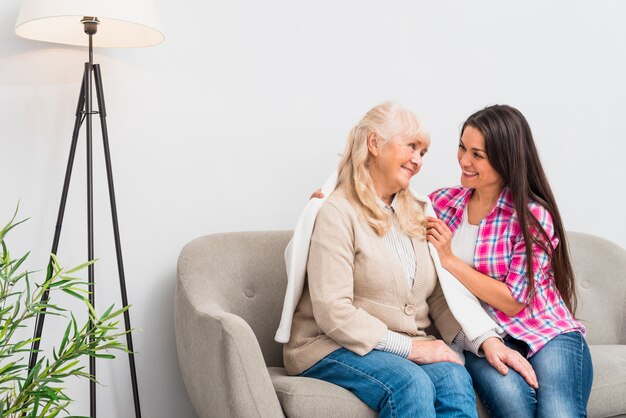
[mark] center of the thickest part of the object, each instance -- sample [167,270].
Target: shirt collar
[505,201]
[460,200]
[391,207]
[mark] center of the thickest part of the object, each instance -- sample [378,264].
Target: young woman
[501,235]
[371,285]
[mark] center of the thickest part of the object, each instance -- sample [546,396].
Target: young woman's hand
[317,194]
[440,236]
[432,351]
[499,356]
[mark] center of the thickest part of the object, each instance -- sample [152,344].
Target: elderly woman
[372,286]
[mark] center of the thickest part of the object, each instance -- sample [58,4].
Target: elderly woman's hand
[432,351]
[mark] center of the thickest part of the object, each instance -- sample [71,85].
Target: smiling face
[394,162]
[476,171]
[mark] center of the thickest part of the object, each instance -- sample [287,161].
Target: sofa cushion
[304,397]
[609,381]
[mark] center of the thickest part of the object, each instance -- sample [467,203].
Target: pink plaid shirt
[501,254]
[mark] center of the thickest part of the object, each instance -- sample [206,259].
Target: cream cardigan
[357,290]
[467,310]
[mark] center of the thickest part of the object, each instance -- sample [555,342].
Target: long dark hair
[511,151]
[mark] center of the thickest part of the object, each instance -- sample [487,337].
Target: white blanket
[463,304]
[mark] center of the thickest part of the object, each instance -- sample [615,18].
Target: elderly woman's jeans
[396,387]
[564,371]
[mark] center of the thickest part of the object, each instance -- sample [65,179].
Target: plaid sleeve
[516,279]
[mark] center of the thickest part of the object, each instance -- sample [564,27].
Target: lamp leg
[90,232]
[116,232]
[41,316]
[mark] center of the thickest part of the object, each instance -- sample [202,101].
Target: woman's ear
[373,144]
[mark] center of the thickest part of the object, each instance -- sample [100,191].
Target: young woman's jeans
[396,387]
[564,371]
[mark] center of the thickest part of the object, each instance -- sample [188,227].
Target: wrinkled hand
[317,194]
[432,351]
[440,236]
[499,356]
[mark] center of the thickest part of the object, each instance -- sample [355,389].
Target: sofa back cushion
[244,273]
[600,270]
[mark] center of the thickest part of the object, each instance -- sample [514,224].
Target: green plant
[39,392]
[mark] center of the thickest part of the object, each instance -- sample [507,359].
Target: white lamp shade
[123,23]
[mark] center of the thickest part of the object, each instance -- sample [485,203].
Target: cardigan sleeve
[330,272]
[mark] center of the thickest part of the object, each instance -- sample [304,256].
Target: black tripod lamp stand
[110,23]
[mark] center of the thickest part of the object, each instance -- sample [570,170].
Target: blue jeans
[396,387]
[564,371]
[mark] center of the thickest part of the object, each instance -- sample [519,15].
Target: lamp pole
[84,112]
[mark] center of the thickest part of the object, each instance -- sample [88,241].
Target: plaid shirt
[501,253]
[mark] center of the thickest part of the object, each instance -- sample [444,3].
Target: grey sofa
[228,301]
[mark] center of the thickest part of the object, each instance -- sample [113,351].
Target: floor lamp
[100,23]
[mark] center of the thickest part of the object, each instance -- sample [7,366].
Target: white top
[464,240]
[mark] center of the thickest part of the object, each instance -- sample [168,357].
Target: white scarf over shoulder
[463,304]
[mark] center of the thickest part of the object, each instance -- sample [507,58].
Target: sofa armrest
[221,362]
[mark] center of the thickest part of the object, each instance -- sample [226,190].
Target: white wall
[240,114]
